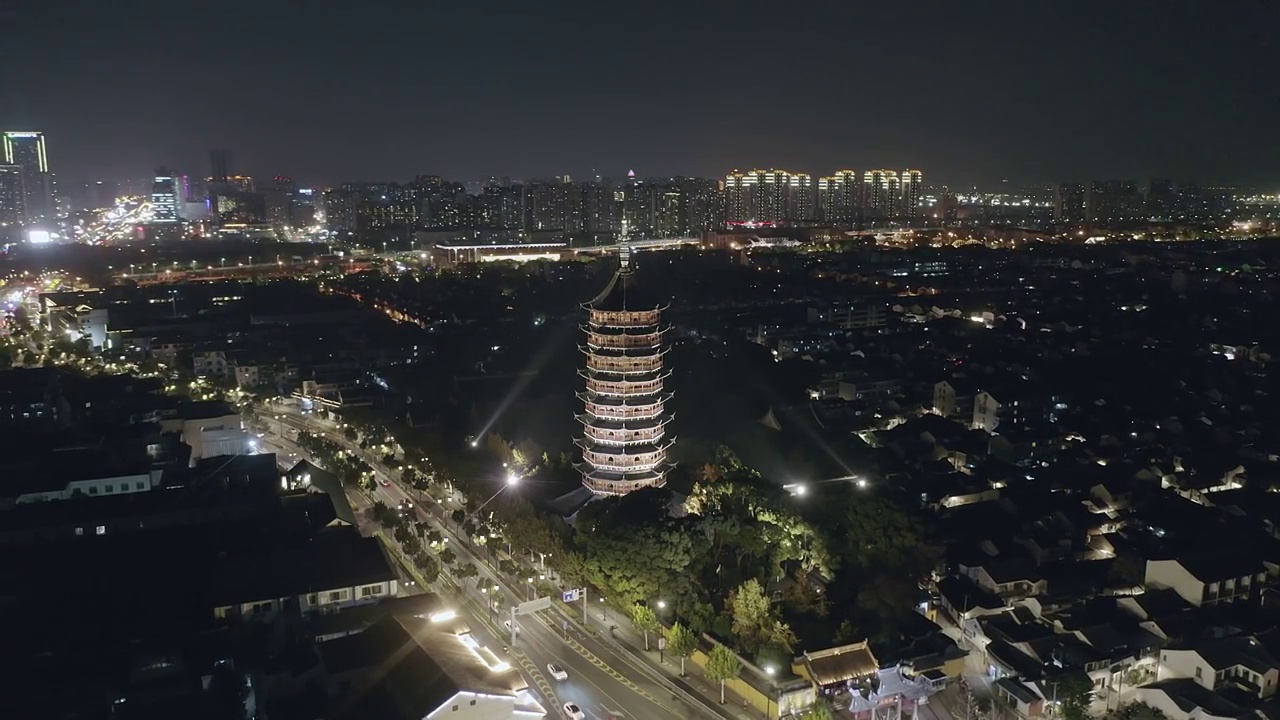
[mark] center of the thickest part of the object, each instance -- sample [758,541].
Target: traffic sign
[571,595]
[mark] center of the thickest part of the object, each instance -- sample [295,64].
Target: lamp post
[604,611]
[769,670]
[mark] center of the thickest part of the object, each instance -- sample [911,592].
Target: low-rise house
[1245,663]
[1209,578]
[330,570]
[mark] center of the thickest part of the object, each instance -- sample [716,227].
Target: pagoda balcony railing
[650,411]
[623,388]
[602,486]
[611,437]
[623,342]
[619,318]
[622,462]
[625,365]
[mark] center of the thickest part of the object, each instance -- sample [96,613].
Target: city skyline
[975,96]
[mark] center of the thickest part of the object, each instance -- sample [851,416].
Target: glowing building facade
[625,441]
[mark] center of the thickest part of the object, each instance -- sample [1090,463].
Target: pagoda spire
[624,248]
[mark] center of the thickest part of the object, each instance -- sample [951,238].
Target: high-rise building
[701,206]
[911,186]
[503,203]
[219,165]
[165,203]
[768,196]
[624,442]
[13,201]
[27,151]
[278,197]
[881,194]
[1113,201]
[838,197]
[1069,203]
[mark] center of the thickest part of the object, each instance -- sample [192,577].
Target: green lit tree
[645,620]
[681,642]
[723,665]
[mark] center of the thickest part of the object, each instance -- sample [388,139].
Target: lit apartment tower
[881,193]
[768,196]
[838,197]
[801,198]
[624,442]
[13,202]
[164,197]
[911,184]
[27,151]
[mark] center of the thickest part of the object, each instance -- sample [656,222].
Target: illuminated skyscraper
[911,184]
[624,442]
[27,151]
[838,197]
[768,196]
[165,202]
[881,193]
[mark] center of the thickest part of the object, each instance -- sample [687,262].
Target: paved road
[603,682]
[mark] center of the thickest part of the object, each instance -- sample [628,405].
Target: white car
[557,672]
[573,712]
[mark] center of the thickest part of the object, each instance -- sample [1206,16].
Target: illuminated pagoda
[624,443]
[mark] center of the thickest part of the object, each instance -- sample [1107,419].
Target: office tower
[219,165]
[164,197]
[881,193]
[1069,203]
[278,198]
[768,196]
[13,203]
[27,151]
[911,184]
[838,197]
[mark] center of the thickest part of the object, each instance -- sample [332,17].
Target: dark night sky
[970,92]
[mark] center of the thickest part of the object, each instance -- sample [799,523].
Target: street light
[770,671]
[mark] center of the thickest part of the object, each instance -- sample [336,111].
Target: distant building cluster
[537,209]
[1111,202]
[779,196]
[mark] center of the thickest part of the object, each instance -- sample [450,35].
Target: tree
[448,557]
[681,642]
[722,664]
[225,694]
[821,710]
[427,566]
[1074,693]
[752,614]
[645,620]
[466,571]
[755,622]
